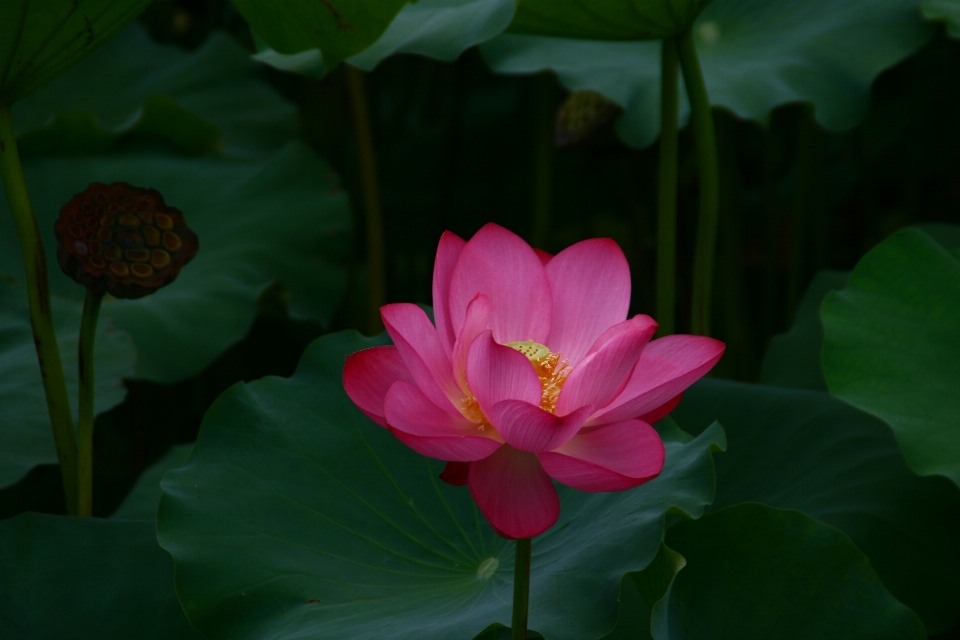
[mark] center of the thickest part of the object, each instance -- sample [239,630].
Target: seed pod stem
[88,336]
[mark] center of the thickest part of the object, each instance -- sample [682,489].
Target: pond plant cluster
[480,319]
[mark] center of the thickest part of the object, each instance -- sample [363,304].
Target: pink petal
[662,411]
[612,458]
[514,493]
[455,473]
[447,253]
[433,432]
[590,282]
[602,375]
[611,333]
[497,373]
[667,366]
[419,345]
[369,374]
[500,265]
[529,428]
[543,255]
[476,322]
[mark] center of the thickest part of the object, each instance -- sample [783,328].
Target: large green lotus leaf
[40,39]
[891,346]
[86,579]
[628,73]
[282,218]
[296,516]
[757,572]
[142,501]
[440,29]
[804,450]
[793,358]
[947,11]
[642,594]
[756,55]
[946,234]
[339,28]
[214,99]
[607,19]
[26,439]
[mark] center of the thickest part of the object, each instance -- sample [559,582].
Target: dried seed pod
[122,240]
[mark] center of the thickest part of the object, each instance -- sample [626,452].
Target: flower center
[551,370]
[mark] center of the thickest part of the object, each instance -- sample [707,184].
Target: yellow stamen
[471,411]
[551,370]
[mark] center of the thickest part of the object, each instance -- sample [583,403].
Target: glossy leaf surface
[793,358]
[756,55]
[643,592]
[243,249]
[891,346]
[339,28]
[607,19]
[212,100]
[40,39]
[278,215]
[757,572]
[142,501]
[65,577]
[296,515]
[947,11]
[439,29]
[26,439]
[804,450]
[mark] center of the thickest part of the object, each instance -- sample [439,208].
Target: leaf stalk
[367,158]
[709,169]
[41,317]
[667,190]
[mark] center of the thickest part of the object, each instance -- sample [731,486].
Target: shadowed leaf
[306,518]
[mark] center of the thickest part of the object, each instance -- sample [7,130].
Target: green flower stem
[521,590]
[88,336]
[41,318]
[709,168]
[376,260]
[667,195]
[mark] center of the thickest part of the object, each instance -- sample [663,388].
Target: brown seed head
[122,240]
[581,116]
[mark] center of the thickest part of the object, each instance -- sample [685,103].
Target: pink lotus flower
[532,372]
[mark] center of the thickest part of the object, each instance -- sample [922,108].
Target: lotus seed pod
[122,240]
[581,116]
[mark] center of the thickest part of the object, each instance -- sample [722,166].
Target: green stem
[667,195]
[41,318]
[709,184]
[88,336]
[521,590]
[366,153]
[543,188]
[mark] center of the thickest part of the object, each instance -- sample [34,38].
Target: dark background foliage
[459,146]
